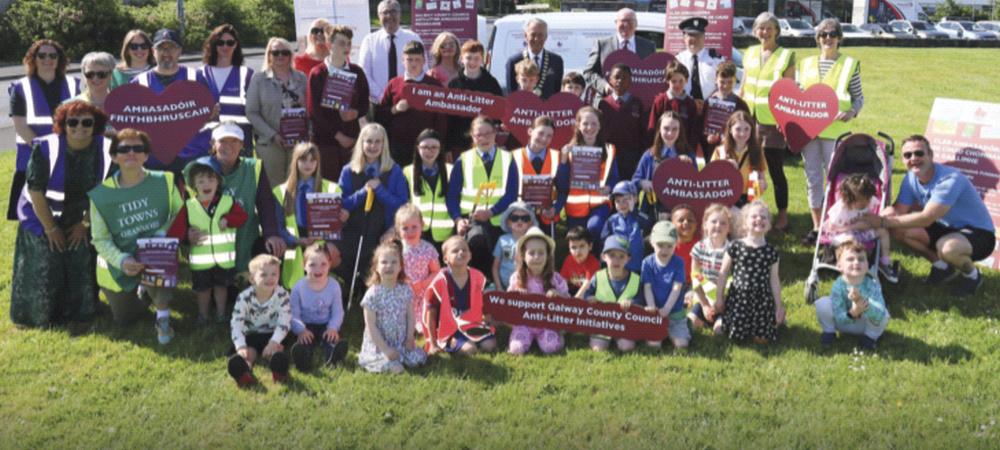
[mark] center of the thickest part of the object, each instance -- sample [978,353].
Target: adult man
[550,65]
[382,51]
[939,214]
[700,61]
[624,39]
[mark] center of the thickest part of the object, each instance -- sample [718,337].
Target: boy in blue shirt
[626,222]
[855,304]
[662,280]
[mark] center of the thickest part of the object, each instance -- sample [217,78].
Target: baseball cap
[623,188]
[227,129]
[663,231]
[615,242]
[164,35]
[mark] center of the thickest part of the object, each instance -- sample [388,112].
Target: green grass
[933,383]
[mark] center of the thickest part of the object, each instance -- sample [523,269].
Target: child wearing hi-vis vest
[614,284]
[209,219]
[453,315]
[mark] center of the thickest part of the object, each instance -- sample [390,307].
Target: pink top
[442,75]
[417,260]
[535,285]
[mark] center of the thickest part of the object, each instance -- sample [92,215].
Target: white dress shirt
[374,56]
[631,43]
[706,70]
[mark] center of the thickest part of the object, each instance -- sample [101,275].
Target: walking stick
[369,200]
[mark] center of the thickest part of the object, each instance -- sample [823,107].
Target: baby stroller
[853,154]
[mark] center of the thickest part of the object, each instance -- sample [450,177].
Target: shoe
[279,367]
[967,286]
[220,319]
[938,276]
[202,320]
[811,237]
[302,357]
[890,272]
[827,339]
[867,343]
[240,371]
[163,331]
[337,354]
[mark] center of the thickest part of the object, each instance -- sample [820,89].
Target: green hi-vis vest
[760,76]
[130,214]
[606,294]
[490,189]
[242,183]
[432,205]
[839,78]
[218,248]
[293,267]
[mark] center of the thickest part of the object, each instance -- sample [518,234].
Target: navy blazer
[550,81]
[594,73]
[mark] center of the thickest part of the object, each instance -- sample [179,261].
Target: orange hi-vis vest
[469,321]
[522,157]
[581,201]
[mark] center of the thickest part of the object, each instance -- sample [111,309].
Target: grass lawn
[932,383]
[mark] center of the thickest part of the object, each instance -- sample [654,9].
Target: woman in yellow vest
[538,161]
[590,207]
[303,178]
[427,179]
[843,74]
[763,65]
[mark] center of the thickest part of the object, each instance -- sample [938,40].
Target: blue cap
[164,35]
[623,188]
[615,242]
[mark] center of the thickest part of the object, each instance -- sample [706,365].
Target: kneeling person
[614,284]
[855,304]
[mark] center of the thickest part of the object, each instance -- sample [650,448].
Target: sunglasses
[226,42]
[277,53]
[47,55]
[99,74]
[514,218]
[122,149]
[317,30]
[137,47]
[73,123]
[916,153]
[828,34]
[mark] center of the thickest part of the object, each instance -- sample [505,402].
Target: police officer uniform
[701,83]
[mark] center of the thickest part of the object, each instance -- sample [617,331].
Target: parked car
[796,28]
[952,29]
[966,30]
[990,27]
[884,32]
[918,28]
[851,31]
[743,26]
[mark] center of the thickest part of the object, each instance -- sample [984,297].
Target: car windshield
[988,26]
[967,26]
[919,26]
[798,24]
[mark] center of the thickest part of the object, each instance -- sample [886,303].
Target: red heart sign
[677,181]
[648,74]
[802,116]
[170,118]
[523,107]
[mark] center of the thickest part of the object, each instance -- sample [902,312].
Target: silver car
[851,31]
[918,28]
[967,30]
[989,27]
[796,28]
[884,32]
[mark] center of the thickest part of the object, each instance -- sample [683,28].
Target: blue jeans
[824,313]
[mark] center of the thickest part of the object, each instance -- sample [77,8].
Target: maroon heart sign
[802,116]
[648,74]
[676,181]
[523,107]
[170,118]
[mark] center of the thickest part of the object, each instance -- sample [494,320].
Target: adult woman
[445,54]
[96,67]
[136,57]
[317,47]
[33,99]
[427,179]
[275,91]
[227,78]
[589,206]
[764,64]
[53,261]
[132,204]
[843,74]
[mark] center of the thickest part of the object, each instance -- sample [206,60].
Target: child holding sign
[663,283]
[544,178]
[536,274]
[855,304]
[721,101]
[389,342]
[614,284]
[669,142]
[741,147]
[453,318]
[401,119]
[706,262]
[581,265]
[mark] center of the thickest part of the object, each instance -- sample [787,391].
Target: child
[389,342]
[741,147]
[857,198]
[626,222]
[751,307]
[420,258]
[668,143]
[725,81]
[472,77]
[537,162]
[581,265]
[613,284]
[622,118]
[211,218]
[453,318]
[317,312]
[683,218]
[677,100]
[706,261]
[536,274]
[855,304]
[528,75]
[574,83]
[261,321]
[663,284]
[515,221]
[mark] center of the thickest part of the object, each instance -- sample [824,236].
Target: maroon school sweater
[325,121]
[404,127]
[623,123]
[688,111]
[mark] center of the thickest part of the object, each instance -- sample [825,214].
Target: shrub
[80,26]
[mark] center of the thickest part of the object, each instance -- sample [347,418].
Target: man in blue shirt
[939,214]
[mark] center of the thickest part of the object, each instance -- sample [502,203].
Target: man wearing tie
[624,39]
[381,52]
[550,65]
[701,63]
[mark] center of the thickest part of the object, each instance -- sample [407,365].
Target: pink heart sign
[170,118]
[677,181]
[648,74]
[802,116]
[523,107]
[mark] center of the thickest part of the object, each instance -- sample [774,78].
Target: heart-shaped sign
[170,118]
[523,107]
[648,74]
[677,181]
[802,116]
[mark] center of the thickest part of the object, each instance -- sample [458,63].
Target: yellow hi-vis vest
[760,76]
[218,248]
[839,78]
[293,266]
[432,204]
[606,294]
[474,177]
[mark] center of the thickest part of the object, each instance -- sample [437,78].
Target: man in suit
[550,65]
[624,39]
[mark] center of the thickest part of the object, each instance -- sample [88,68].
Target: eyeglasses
[44,55]
[137,47]
[277,53]
[317,30]
[131,149]
[429,146]
[99,74]
[828,34]
[519,218]
[74,122]
[915,153]
[226,42]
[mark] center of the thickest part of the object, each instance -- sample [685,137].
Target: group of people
[433,206]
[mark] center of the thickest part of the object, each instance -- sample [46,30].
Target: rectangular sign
[432,17]
[585,172]
[323,215]
[717,112]
[159,255]
[536,190]
[718,34]
[338,91]
[293,126]
[455,102]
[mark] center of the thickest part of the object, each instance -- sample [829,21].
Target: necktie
[695,79]
[538,61]
[624,45]
[300,205]
[371,172]
[393,58]
[487,162]
[537,163]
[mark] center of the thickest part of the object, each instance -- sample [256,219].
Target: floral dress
[390,306]
[749,308]
[417,265]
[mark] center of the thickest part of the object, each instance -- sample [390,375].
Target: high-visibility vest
[233,96]
[522,157]
[293,266]
[468,322]
[37,114]
[760,76]
[432,205]
[474,176]
[606,294]
[839,78]
[581,201]
[218,247]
